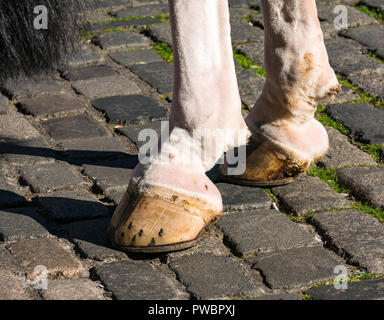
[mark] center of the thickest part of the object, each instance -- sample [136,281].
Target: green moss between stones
[373,12]
[247,63]
[164,50]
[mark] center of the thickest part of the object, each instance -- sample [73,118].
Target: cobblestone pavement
[69,143]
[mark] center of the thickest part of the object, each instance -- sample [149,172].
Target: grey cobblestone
[90,237]
[132,57]
[22,223]
[132,132]
[362,290]
[342,153]
[120,39]
[111,175]
[240,198]
[353,63]
[309,194]
[122,24]
[255,253]
[296,267]
[137,281]
[49,177]
[21,89]
[206,277]
[51,105]
[375,4]
[46,252]
[250,86]
[372,85]
[9,194]
[262,231]
[158,74]
[354,235]
[363,119]
[86,73]
[132,109]
[74,127]
[142,11]
[365,183]
[85,56]
[106,87]
[356,18]
[67,206]
[370,36]
[161,32]
[254,51]
[97,148]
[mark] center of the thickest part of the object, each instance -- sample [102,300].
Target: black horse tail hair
[27,51]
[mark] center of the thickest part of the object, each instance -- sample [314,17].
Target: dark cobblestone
[342,153]
[75,127]
[51,105]
[46,252]
[362,290]
[239,198]
[161,32]
[110,4]
[129,280]
[244,33]
[262,231]
[309,194]
[254,51]
[375,4]
[250,86]
[120,39]
[354,235]
[85,56]
[123,24]
[22,223]
[354,63]
[371,85]
[365,183]
[206,277]
[67,206]
[356,18]
[86,73]
[130,109]
[97,148]
[142,11]
[363,119]
[158,74]
[106,87]
[132,132]
[370,36]
[53,176]
[132,57]
[111,174]
[21,89]
[9,196]
[91,239]
[296,267]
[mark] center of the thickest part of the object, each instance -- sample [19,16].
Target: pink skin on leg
[298,77]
